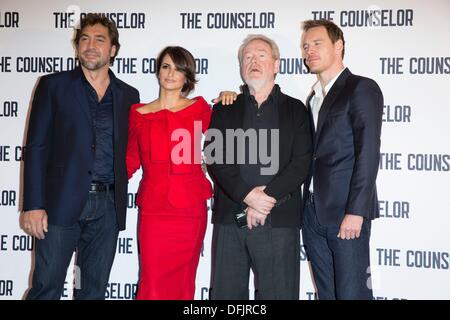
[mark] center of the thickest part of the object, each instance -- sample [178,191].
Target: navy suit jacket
[347,150]
[60,147]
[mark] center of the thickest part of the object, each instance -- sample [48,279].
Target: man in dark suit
[257,203]
[75,177]
[341,195]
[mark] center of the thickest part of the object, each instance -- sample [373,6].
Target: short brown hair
[184,62]
[92,19]
[334,32]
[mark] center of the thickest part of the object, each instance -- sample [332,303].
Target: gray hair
[251,37]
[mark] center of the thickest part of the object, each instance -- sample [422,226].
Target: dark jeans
[272,253]
[340,267]
[94,237]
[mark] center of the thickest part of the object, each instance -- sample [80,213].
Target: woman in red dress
[165,138]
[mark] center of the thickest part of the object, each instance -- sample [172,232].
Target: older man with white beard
[257,212]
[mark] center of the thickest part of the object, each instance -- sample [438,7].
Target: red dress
[171,197]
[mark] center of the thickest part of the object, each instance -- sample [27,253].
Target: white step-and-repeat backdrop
[403,45]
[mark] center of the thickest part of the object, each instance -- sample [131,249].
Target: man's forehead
[257,44]
[96,28]
[316,31]
[310,35]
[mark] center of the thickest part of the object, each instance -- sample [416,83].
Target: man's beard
[93,65]
[256,84]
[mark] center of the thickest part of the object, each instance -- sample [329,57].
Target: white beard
[256,84]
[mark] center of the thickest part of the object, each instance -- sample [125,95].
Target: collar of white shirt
[320,92]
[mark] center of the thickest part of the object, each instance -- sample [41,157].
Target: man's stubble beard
[93,66]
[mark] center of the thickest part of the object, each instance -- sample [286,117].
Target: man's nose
[90,43]
[309,50]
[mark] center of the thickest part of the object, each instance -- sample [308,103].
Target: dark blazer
[294,160]
[347,150]
[60,147]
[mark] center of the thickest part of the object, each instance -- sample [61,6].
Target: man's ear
[277,66]
[113,51]
[339,46]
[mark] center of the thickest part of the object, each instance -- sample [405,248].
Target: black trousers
[272,253]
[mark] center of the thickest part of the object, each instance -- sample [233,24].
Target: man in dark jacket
[257,201]
[75,177]
[340,193]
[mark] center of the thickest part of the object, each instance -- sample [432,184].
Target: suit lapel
[308,100]
[330,98]
[284,126]
[238,115]
[117,108]
[79,94]
[312,126]
[234,120]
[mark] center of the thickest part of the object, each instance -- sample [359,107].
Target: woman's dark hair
[184,62]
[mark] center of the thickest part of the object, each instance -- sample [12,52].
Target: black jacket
[294,160]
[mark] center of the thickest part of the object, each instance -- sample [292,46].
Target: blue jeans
[94,237]
[340,267]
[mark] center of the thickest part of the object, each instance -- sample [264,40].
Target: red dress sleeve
[133,158]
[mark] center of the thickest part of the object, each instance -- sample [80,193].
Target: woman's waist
[168,167]
[153,173]
[197,210]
